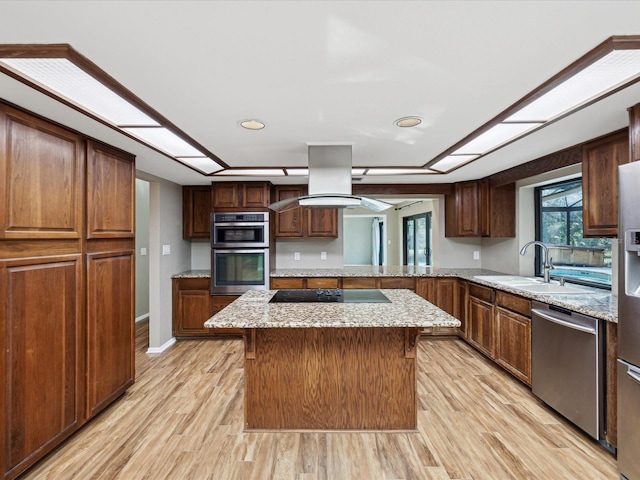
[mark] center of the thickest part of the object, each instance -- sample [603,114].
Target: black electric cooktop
[328,296]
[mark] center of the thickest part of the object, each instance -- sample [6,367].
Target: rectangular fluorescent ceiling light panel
[258,172]
[399,171]
[165,140]
[452,161]
[494,137]
[599,78]
[204,164]
[297,172]
[65,79]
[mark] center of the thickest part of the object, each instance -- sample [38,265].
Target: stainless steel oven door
[240,235]
[235,271]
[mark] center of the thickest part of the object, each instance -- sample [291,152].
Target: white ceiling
[328,71]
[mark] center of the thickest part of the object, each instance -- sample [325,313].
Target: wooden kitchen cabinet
[513,335]
[462,308]
[600,160]
[304,222]
[193,305]
[513,345]
[66,260]
[241,196]
[462,210]
[476,209]
[196,212]
[480,322]
[42,356]
[110,329]
[443,293]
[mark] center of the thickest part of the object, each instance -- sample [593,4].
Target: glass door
[416,234]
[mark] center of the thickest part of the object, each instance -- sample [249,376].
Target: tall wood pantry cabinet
[66,283]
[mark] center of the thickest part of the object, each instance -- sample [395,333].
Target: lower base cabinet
[193,305]
[513,345]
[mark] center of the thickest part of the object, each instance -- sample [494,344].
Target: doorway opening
[416,240]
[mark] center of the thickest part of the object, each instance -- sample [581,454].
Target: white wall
[142,241]
[309,249]
[201,254]
[357,234]
[165,228]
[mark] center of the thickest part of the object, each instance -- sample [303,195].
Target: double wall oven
[239,252]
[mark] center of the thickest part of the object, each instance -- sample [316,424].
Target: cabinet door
[480,318]
[110,327]
[196,212]
[322,222]
[467,207]
[462,211]
[193,310]
[255,195]
[513,346]
[42,356]
[600,162]
[226,195]
[41,179]
[289,224]
[462,308]
[446,295]
[110,192]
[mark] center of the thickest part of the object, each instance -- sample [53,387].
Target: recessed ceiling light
[252,124]
[408,122]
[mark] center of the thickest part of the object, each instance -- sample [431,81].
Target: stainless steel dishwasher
[567,365]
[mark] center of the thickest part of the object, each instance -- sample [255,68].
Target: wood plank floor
[183,420]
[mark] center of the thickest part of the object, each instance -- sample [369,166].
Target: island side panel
[330,379]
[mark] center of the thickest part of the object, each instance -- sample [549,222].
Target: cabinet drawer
[359,282]
[322,283]
[514,303]
[287,283]
[398,282]
[483,293]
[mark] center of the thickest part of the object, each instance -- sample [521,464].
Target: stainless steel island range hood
[330,182]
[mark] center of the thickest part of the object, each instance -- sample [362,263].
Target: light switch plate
[323,255]
[166,249]
[296,255]
[476,255]
[143,251]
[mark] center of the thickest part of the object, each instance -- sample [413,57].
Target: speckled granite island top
[253,310]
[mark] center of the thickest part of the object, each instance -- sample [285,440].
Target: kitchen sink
[531,285]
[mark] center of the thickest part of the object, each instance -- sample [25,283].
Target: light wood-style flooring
[183,419]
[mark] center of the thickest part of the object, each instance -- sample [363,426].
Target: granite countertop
[253,310]
[595,302]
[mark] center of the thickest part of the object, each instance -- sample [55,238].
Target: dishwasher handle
[633,373]
[564,323]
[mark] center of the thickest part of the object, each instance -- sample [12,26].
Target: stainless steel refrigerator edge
[629,322]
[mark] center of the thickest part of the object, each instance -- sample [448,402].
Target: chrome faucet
[548,266]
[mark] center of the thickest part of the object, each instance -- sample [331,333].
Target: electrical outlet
[476,255]
[166,249]
[143,251]
[323,255]
[296,255]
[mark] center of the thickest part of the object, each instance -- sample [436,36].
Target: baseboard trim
[162,348]
[142,317]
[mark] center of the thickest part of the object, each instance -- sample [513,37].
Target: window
[416,233]
[559,226]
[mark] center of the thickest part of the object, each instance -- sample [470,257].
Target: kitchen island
[331,366]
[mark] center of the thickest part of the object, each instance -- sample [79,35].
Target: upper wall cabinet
[600,160]
[241,196]
[476,209]
[110,192]
[196,212]
[304,222]
[41,178]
